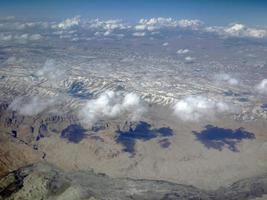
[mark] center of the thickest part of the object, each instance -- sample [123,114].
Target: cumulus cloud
[262,87]
[238,30]
[52,71]
[160,22]
[25,37]
[139,34]
[5,37]
[189,59]
[193,108]
[35,37]
[226,78]
[106,27]
[69,23]
[22,37]
[183,51]
[191,24]
[165,44]
[112,104]
[153,24]
[140,27]
[31,105]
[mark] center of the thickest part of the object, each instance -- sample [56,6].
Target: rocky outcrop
[15,154]
[44,181]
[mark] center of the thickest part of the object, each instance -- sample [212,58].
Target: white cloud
[139,34]
[193,108]
[226,78]
[106,25]
[238,30]
[5,37]
[31,105]
[160,22]
[165,44]
[98,33]
[113,24]
[106,28]
[262,87]
[183,51]
[25,37]
[140,27]
[112,104]
[18,26]
[35,37]
[189,59]
[69,23]
[52,71]
[191,24]
[22,38]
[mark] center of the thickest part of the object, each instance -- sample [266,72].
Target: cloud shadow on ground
[144,132]
[219,138]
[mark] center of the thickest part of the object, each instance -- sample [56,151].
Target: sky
[213,12]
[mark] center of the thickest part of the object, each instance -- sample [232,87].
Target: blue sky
[214,12]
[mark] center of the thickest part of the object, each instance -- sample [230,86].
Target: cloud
[165,44]
[226,78]
[31,105]
[106,28]
[262,87]
[5,37]
[12,60]
[153,24]
[189,59]
[139,34]
[191,24]
[52,71]
[106,25]
[25,37]
[69,23]
[22,37]
[160,22]
[24,26]
[112,104]
[238,30]
[140,27]
[183,51]
[8,18]
[35,37]
[193,108]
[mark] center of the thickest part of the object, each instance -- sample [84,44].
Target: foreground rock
[44,181]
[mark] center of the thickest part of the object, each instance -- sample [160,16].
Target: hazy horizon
[252,13]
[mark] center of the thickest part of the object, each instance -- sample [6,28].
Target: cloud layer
[160,22]
[69,23]
[238,30]
[76,27]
